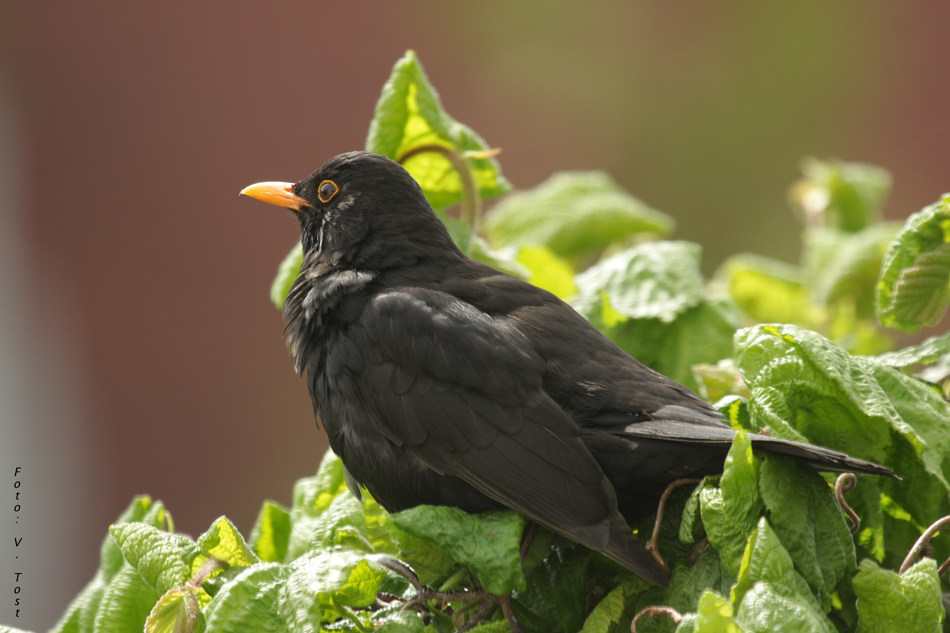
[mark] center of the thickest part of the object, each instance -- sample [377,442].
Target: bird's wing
[462,390]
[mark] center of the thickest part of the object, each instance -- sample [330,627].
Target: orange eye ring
[327,190]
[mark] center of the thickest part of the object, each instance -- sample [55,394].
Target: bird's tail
[624,547]
[681,424]
[824,459]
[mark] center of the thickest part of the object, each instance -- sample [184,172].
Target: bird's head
[361,210]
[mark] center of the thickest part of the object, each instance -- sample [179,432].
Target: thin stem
[471,201]
[846,483]
[453,579]
[206,569]
[698,550]
[651,544]
[922,541]
[483,609]
[394,565]
[347,613]
[513,625]
[449,596]
[527,538]
[655,612]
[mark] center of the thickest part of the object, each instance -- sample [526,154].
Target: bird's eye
[327,190]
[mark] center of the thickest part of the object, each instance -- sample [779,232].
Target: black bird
[443,381]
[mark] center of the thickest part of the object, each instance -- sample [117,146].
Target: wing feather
[481,416]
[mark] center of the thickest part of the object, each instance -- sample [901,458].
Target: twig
[471,201]
[348,613]
[483,609]
[923,541]
[485,601]
[846,483]
[698,550]
[527,538]
[394,565]
[454,578]
[655,612]
[651,544]
[207,569]
[513,625]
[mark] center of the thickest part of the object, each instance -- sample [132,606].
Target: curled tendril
[478,599]
[922,542]
[656,611]
[651,544]
[846,483]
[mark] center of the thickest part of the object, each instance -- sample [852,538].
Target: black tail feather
[824,459]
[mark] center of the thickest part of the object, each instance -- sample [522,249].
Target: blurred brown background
[138,349]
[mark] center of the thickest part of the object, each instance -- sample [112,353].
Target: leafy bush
[794,351]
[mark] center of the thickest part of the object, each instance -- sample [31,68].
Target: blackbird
[442,381]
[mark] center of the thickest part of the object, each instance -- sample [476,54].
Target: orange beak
[279,193]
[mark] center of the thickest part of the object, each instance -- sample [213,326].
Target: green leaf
[731,512]
[610,610]
[222,540]
[502,260]
[800,380]
[494,626]
[344,513]
[656,280]
[840,195]
[287,274]
[767,560]
[81,613]
[410,116]
[771,595]
[800,377]
[687,584]
[573,213]
[720,380]
[713,615]
[806,388]
[845,266]
[427,559]
[662,319]
[402,622]
[249,603]
[808,521]
[270,535]
[702,334]
[319,582]
[925,465]
[163,559]
[459,230]
[178,611]
[929,351]
[488,543]
[691,523]
[110,556]
[909,603]
[765,610]
[548,271]
[555,599]
[914,287]
[735,410]
[766,290]
[312,496]
[126,603]
[360,524]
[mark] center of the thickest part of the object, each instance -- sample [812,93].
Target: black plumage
[443,381]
